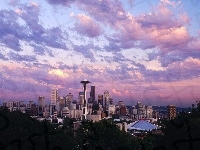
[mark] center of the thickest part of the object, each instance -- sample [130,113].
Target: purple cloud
[18,58]
[85,51]
[3,57]
[10,30]
[60,2]
[87,26]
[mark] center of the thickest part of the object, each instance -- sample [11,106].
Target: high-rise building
[100,99]
[69,100]
[111,110]
[92,94]
[123,110]
[41,105]
[81,98]
[120,103]
[171,111]
[46,112]
[60,105]
[149,111]
[111,101]
[107,97]
[141,110]
[54,96]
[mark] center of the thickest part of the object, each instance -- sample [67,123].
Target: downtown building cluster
[86,108]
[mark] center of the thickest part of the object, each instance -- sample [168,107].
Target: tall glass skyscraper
[92,94]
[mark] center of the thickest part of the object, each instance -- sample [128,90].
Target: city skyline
[137,50]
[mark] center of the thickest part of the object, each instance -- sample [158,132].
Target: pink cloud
[168,2]
[105,11]
[159,28]
[115,92]
[87,26]
[194,45]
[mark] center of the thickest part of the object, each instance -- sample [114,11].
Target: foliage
[104,135]
[20,131]
[182,132]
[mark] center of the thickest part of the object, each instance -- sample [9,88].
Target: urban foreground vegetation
[20,131]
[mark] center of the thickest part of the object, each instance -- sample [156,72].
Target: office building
[92,94]
[81,98]
[106,102]
[120,103]
[100,100]
[149,112]
[171,111]
[111,110]
[69,100]
[54,96]
[123,110]
[110,101]
[60,104]
[41,105]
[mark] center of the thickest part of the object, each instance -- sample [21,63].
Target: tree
[104,135]
[20,131]
[182,132]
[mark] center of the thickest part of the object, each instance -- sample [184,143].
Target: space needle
[84,109]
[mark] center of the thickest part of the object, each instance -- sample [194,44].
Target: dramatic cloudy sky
[138,50]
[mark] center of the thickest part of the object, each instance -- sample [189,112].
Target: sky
[138,50]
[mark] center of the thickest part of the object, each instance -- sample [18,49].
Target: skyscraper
[92,94]
[69,100]
[100,100]
[171,111]
[41,105]
[106,96]
[110,101]
[81,98]
[60,105]
[54,96]
[70,97]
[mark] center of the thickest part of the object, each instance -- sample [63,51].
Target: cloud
[106,11]
[168,2]
[14,2]
[39,50]
[87,26]
[175,71]
[89,71]
[58,72]
[194,45]
[85,50]
[115,92]
[10,30]
[161,28]
[19,58]
[3,57]
[54,38]
[60,2]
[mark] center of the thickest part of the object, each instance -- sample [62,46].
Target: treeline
[19,131]
[181,133]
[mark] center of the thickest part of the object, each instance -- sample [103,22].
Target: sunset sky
[138,50]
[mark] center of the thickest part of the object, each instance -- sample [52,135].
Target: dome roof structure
[142,125]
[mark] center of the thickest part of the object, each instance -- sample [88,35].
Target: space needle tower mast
[84,108]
